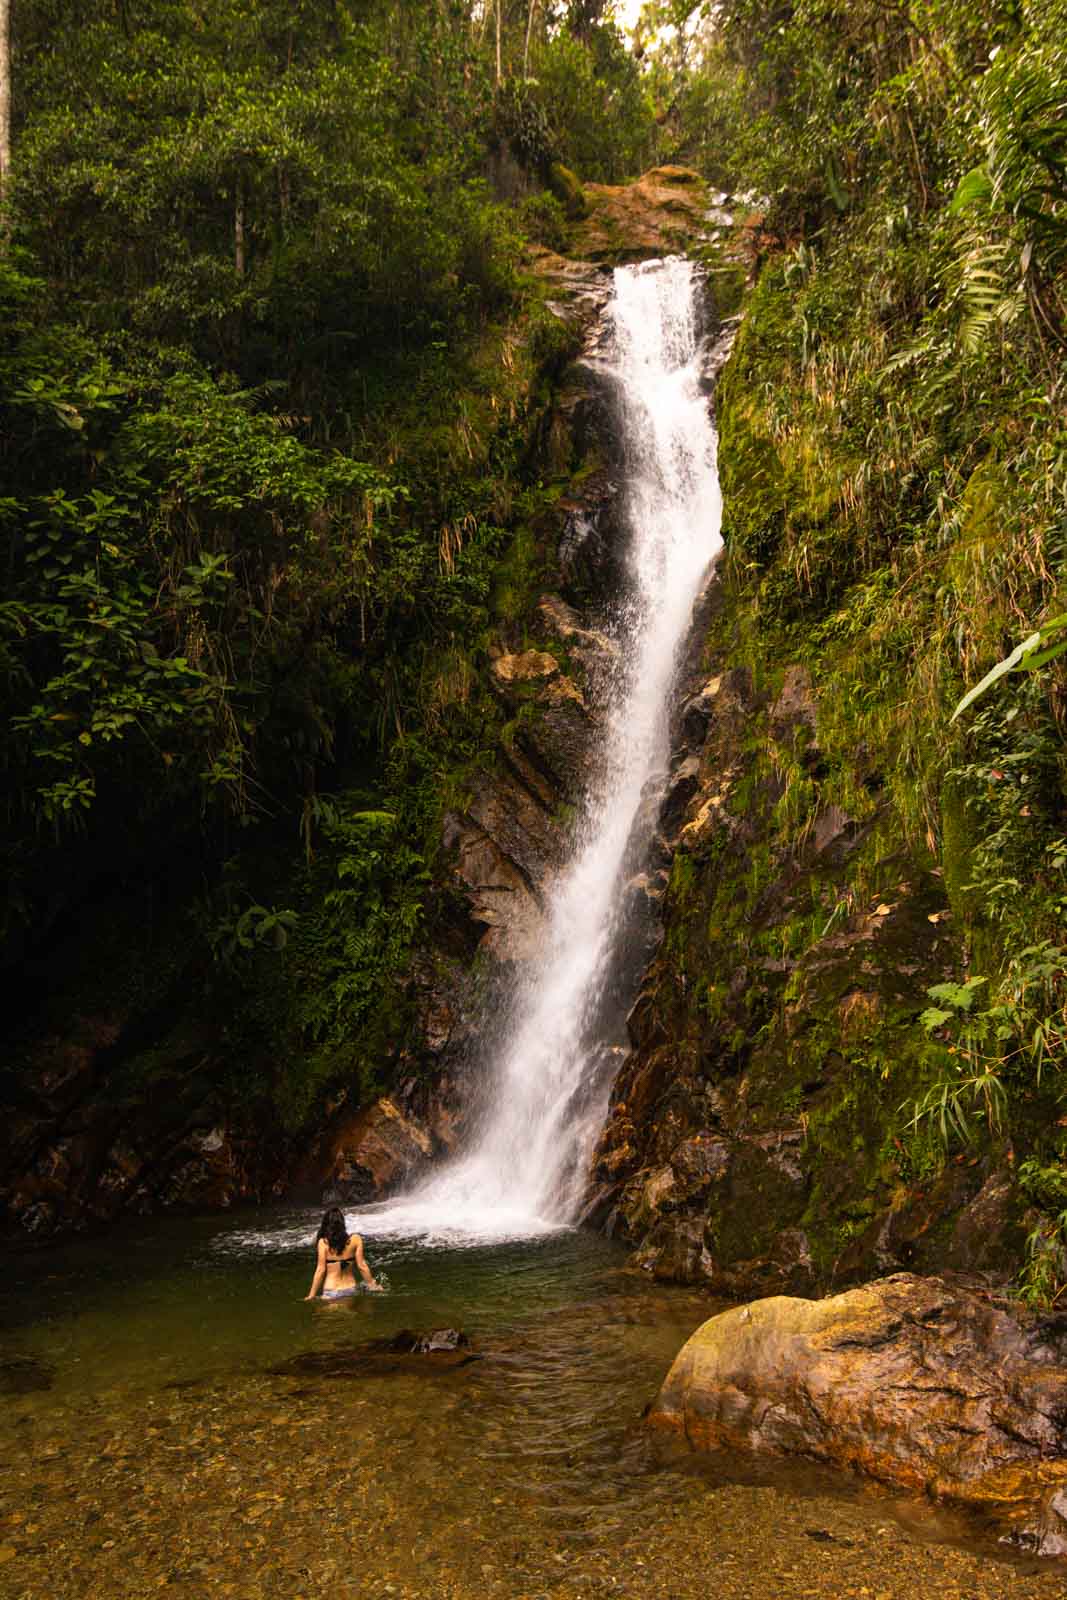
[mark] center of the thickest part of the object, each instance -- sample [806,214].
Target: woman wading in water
[338,1256]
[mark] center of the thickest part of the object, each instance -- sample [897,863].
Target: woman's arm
[368,1276]
[320,1272]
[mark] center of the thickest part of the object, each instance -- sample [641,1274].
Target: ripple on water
[171,1455]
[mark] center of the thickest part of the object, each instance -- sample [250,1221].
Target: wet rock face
[374,1151]
[657,215]
[777,1024]
[552,678]
[77,1150]
[916,1382]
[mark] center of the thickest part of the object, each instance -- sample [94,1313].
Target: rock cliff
[83,1140]
[755,1141]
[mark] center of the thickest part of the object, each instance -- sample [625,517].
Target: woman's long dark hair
[333,1230]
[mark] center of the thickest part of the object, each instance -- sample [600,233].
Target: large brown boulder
[916,1382]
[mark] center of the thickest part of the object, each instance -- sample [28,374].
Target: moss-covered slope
[800,1107]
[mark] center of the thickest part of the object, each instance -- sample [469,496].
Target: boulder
[374,1151]
[205,1171]
[683,784]
[662,212]
[796,701]
[920,1383]
[560,739]
[530,666]
[698,711]
[593,648]
[503,847]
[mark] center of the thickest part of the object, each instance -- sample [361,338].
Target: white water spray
[526,1170]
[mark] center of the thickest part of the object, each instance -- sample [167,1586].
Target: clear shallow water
[176,1453]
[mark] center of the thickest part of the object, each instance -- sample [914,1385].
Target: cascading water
[525,1170]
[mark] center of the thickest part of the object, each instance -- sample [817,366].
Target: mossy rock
[568,191]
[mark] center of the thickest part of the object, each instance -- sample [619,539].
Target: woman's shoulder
[355,1241]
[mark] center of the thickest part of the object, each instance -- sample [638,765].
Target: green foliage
[372,881]
[1043,1185]
[1032,653]
[957,997]
[894,466]
[522,119]
[544,220]
[234,177]
[599,106]
[568,191]
[144,612]
[1043,1276]
[985,1054]
[255,925]
[1044,1272]
[269,384]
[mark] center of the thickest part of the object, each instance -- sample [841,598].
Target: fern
[979,292]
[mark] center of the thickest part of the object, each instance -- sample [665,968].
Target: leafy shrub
[542,219]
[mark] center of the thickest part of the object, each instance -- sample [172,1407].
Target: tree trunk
[526,46]
[5,93]
[499,56]
[238,227]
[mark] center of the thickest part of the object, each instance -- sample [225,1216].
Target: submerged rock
[916,1382]
[427,1343]
[25,1375]
[441,1350]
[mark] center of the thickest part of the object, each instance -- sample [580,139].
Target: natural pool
[168,1456]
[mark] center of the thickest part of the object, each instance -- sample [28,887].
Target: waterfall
[526,1167]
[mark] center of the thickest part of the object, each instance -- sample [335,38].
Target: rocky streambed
[179,1421]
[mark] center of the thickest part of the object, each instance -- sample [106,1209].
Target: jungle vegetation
[895,466]
[267,352]
[266,357]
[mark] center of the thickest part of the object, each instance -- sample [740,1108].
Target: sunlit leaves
[1034,652]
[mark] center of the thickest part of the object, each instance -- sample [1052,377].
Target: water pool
[156,1439]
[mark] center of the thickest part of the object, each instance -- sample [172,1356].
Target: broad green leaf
[998,672]
[1031,663]
[974,187]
